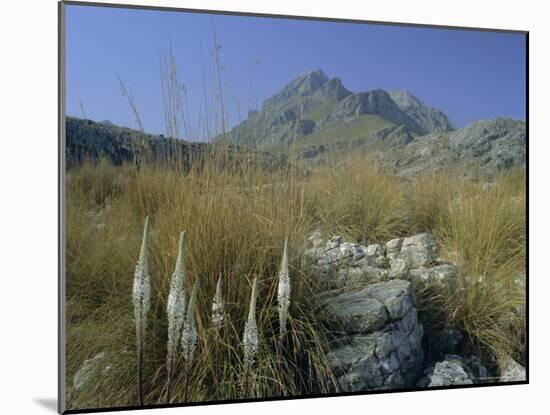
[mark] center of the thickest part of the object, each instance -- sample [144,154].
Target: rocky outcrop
[512,371]
[500,142]
[339,264]
[379,341]
[87,140]
[432,119]
[377,335]
[396,135]
[454,370]
[489,144]
[377,102]
[366,293]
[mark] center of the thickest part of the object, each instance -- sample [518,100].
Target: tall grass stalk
[175,310]
[217,48]
[142,304]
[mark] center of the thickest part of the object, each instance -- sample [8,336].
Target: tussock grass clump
[235,219]
[236,216]
[358,200]
[485,233]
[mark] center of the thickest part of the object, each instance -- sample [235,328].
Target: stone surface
[419,250]
[356,312]
[366,292]
[399,269]
[339,263]
[512,371]
[454,370]
[451,371]
[393,248]
[380,346]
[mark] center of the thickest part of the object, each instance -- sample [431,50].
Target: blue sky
[469,75]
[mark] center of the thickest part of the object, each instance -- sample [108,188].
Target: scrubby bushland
[236,219]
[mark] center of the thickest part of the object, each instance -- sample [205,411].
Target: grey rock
[399,269]
[451,371]
[501,140]
[387,358]
[356,312]
[377,252]
[396,295]
[393,248]
[420,274]
[357,276]
[437,275]
[419,250]
[443,272]
[395,135]
[338,263]
[378,336]
[487,146]
[512,371]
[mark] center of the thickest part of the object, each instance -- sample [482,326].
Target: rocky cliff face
[432,119]
[489,144]
[312,102]
[377,336]
[366,293]
[87,140]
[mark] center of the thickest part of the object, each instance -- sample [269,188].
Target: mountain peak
[316,74]
[302,85]
[311,102]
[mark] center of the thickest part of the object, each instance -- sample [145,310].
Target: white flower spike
[175,309]
[283,292]
[217,306]
[250,335]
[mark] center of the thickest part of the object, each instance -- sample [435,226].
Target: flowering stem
[140,371]
[186,388]
[169,379]
[217,380]
[141,295]
[175,310]
[189,337]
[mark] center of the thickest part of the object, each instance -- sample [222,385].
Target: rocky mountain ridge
[87,140]
[312,101]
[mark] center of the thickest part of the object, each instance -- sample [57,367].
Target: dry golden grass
[236,221]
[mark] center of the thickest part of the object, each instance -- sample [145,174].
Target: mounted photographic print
[259,207]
